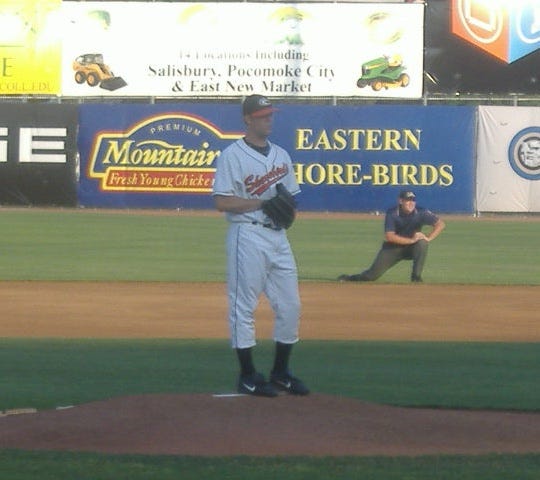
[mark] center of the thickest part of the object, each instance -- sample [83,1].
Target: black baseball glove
[281,208]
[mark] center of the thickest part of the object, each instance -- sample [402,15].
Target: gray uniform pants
[388,256]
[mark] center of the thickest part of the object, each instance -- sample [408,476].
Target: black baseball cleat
[416,279]
[344,278]
[255,384]
[287,383]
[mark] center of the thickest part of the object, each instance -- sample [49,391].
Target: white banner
[234,49]
[508,166]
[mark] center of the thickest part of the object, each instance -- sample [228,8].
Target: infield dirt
[329,311]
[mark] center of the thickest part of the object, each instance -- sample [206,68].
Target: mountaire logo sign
[170,153]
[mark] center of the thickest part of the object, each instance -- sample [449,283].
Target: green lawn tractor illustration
[91,69]
[383,72]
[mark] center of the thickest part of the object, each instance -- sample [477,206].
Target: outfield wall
[457,159]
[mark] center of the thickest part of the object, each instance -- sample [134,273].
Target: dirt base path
[314,425]
[329,311]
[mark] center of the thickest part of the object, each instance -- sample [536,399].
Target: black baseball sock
[246,361]
[281,360]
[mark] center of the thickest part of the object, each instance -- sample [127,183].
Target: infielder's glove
[281,209]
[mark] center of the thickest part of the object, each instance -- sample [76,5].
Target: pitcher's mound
[318,424]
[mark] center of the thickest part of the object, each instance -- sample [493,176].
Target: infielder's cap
[257,106]
[407,195]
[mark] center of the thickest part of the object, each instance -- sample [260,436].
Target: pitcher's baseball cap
[407,195]
[257,106]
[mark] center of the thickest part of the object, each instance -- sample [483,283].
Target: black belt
[266,225]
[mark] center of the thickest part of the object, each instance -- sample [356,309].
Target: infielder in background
[254,185]
[403,239]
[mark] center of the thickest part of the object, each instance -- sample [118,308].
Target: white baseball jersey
[245,173]
[259,257]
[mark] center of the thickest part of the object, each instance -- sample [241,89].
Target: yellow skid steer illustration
[91,68]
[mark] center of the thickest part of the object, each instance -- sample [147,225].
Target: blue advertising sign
[359,158]
[345,158]
[152,156]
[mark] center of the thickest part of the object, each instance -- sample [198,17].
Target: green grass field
[458,375]
[89,245]
[104,246]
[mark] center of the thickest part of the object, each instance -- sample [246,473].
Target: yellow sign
[30,47]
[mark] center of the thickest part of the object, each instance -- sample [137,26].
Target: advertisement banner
[152,156]
[38,154]
[30,47]
[508,30]
[345,158]
[508,170]
[482,47]
[216,49]
[358,158]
